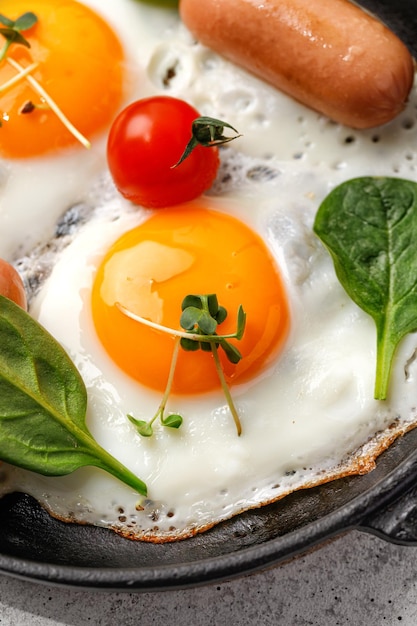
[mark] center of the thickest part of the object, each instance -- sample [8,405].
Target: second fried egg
[305,414]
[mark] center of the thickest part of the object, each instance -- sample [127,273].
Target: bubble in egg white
[310,416]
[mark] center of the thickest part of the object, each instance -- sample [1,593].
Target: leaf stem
[226,390]
[110,464]
[385,353]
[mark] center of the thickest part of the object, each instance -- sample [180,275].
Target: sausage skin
[328,54]
[11,285]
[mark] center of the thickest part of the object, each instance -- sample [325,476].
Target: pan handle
[397,521]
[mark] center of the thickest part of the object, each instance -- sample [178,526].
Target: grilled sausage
[328,54]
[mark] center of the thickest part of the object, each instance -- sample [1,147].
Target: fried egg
[304,388]
[87,59]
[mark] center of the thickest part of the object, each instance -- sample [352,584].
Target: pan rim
[255,558]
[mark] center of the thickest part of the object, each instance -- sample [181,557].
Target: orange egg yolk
[80,66]
[178,252]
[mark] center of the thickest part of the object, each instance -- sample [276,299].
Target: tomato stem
[206,132]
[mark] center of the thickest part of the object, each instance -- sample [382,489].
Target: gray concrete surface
[357,579]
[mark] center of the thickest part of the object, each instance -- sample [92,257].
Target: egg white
[309,417]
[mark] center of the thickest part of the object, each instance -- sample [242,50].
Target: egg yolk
[175,253]
[79,65]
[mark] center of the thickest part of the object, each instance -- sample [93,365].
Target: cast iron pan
[37,547]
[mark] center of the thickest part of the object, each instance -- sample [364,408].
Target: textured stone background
[357,579]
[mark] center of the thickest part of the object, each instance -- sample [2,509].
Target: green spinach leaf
[43,403]
[369,226]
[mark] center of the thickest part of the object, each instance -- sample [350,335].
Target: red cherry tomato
[11,284]
[145,141]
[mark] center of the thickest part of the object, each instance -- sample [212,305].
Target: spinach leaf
[369,226]
[43,403]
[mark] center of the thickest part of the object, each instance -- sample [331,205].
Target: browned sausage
[11,284]
[328,54]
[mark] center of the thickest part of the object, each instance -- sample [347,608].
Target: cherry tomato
[11,284]
[146,140]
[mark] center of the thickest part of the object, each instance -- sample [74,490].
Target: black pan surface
[37,547]
[33,545]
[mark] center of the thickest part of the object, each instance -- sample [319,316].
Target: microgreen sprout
[27,107]
[19,76]
[12,33]
[200,317]
[207,132]
[51,104]
[170,421]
